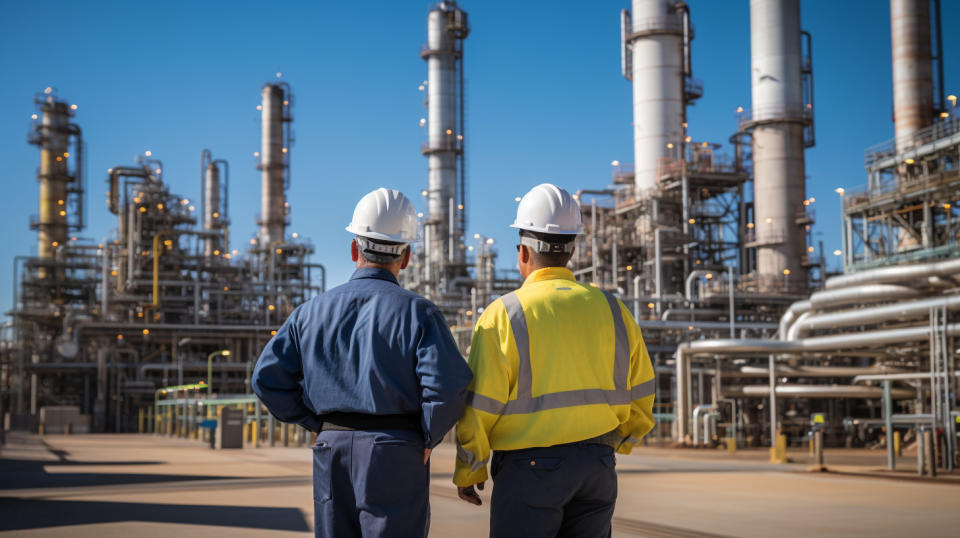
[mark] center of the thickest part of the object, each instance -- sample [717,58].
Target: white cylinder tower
[658,84]
[778,142]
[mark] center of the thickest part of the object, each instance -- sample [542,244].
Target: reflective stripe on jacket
[554,362]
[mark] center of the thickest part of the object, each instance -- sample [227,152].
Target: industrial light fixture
[837,252]
[614,163]
[839,190]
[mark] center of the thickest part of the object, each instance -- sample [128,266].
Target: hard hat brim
[547,229]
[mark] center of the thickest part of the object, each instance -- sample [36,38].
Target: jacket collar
[377,273]
[549,273]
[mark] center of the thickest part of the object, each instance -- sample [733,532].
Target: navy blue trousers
[564,490]
[370,483]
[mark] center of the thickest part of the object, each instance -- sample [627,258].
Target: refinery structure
[753,341]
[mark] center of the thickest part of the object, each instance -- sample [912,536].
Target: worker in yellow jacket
[561,380]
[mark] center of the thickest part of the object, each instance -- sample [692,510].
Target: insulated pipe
[656,42]
[272,165]
[868,293]
[723,347]
[821,391]
[912,69]
[778,144]
[867,316]
[896,274]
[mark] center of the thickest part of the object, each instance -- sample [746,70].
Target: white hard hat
[548,208]
[385,215]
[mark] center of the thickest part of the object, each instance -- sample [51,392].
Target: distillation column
[658,82]
[446,29]
[912,68]
[273,163]
[778,142]
[52,135]
[211,208]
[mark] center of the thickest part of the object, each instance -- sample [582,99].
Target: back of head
[548,219]
[384,223]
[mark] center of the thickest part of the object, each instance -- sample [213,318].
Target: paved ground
[142,485]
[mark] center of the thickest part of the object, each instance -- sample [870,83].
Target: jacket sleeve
[487,396]
[278,376]
[444,377]
[642,388]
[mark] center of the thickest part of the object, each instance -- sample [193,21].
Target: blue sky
[546,101]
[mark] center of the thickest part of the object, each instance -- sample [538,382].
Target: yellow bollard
[140,420]
[896,444]
[731,445]
[66,429]
[256,432]
[811,447]
[778,453]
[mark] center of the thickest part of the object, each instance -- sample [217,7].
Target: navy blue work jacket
[367,346]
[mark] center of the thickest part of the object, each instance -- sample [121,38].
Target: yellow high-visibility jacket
[553,362]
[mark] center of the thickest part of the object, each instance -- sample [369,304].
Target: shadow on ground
[21,514]
[29,474]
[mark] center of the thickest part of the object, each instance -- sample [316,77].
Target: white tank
[778,145]
[657,46]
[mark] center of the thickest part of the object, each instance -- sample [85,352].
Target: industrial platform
[146,485]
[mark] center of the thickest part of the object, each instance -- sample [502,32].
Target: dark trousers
[563,490]
[370,483]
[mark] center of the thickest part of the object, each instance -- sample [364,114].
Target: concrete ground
[144,485]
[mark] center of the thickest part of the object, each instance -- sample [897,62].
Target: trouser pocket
[322,471]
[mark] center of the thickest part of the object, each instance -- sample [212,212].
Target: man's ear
[524,254]
[354,251]
[406,258]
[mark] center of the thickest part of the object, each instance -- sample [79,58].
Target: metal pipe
[823,391]
[688,283]
[867,293]
[888,423]
[722,347]
[696,417]
[733,315]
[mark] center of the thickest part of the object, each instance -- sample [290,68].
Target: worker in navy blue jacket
[374,369]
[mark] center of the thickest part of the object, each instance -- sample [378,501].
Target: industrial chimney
[913,107]
[274,161]
[214,204]
[57,180]
[446,29]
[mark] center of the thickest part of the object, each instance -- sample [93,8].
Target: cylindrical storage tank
[211,202]
[273,167]
[657,43]
[778,160]
[54,142]
[443,127]
[912,68]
